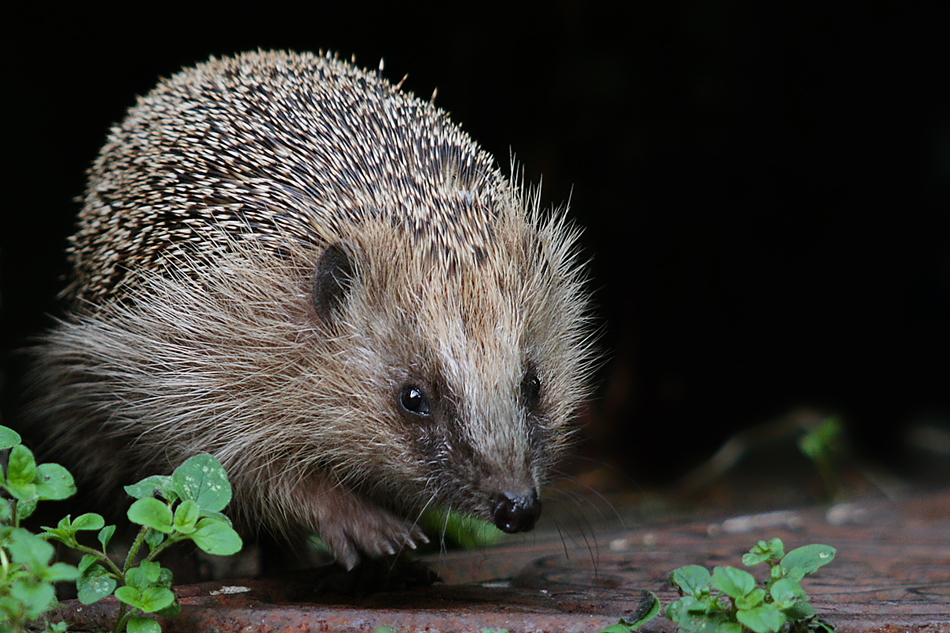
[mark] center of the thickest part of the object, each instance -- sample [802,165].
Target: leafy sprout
[185,506]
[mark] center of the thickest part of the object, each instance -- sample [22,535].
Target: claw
[348,557]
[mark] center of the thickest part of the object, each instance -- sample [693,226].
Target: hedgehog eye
[414,401]
[531,389]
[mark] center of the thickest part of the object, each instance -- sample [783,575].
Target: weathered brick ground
[892,573]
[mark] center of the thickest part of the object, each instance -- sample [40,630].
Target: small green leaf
[216,538]
[21,467]
[23,492]
[95,584]
[691,580]
[786,590]
[751,560]
[186,516]
[156,598]
[53,482]
[165,578]
[105,535]
[805,560]
[751,600]
[732,582]
[757,554]
[88,560]
[821,442]
[60,572]
[766,618]
[148,600]
[203,479]
[8,438]
[25,506]
[129,595]
[171,610]
[777,547]
[152,513]
[161,484]
[695,615]
[762,552]
[89,521]
[675,610]
[154,538]
[791,599]
[139,624]
[64,533]
[35,596]
[647,609]
[30,550]
[152,570]
[217,516]
[135,577]
[799,611]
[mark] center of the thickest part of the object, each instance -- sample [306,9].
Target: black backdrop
[763,187]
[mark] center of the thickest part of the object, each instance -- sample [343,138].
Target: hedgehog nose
[515,513]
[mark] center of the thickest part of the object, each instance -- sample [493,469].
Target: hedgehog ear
[333,282]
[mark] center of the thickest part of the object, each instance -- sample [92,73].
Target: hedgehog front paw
[352,526]
[372,531]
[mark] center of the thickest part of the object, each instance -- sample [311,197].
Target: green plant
[459,530]
[185,506]
[26,572]
[648,609]
[740,604]
[824,445]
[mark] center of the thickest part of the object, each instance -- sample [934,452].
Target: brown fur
[194,326]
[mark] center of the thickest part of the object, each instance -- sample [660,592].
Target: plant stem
[171,540]
[123,619]
[124,615]
[134,550]
[102,556]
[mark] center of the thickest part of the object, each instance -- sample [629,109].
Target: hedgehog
[292,264]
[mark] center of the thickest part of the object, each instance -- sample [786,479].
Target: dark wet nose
[515,513]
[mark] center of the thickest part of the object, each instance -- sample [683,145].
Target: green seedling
[823,445]
[185,506]
[730,600]
[27,572]
[648,609]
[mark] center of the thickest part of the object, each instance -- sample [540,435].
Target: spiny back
[277,146]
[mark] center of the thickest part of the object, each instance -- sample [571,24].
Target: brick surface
[892,573]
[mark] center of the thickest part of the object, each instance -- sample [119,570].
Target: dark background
[763,188]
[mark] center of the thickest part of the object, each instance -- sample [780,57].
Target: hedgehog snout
[515,513]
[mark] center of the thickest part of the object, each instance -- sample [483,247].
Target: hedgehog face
[471,367]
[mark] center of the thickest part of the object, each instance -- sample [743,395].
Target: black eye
[531,389]
[414,401]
